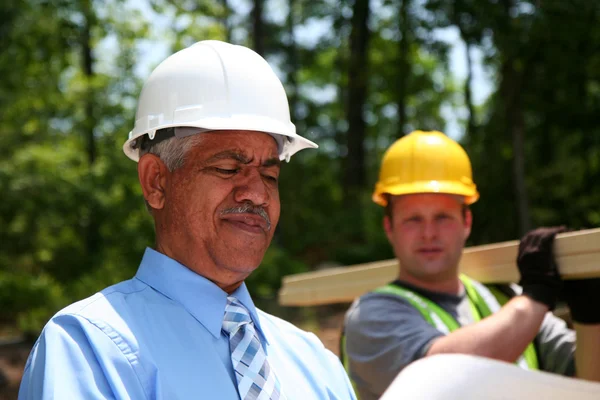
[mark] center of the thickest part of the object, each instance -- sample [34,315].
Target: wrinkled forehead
[244,146]
[226,135]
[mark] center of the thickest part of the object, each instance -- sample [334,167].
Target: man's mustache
[248,208]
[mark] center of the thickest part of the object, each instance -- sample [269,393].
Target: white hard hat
[210,86]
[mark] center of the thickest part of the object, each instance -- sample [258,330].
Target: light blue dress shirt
[158,336]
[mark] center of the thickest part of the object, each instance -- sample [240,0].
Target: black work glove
[583,298]
[539,274]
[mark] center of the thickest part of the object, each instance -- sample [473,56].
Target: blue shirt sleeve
[345,390]
[75,359]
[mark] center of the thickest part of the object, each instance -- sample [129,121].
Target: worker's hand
[539,274]
[583,298]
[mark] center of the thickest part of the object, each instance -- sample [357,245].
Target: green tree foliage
[72,219]
[535,153]
[59,196]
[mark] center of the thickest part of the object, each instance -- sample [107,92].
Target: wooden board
[577,254]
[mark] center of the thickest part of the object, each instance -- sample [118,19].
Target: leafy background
[359,75]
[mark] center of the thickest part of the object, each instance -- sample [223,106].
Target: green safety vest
[484,301]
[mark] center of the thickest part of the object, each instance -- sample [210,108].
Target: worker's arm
[583,299]
[505,334]
[502,336]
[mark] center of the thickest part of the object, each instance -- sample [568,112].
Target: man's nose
[252,188]
[429,230]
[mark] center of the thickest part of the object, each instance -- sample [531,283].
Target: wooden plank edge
[328,287]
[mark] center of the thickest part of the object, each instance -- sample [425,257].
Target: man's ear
[387,227]
[468,223]
[152,173]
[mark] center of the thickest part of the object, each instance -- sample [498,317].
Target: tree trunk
[293,64]
[511,88]
[468,96]
[225,21]
[88,71]
[357,96]
[518,138]
[92,233]
[515,128]
[340,66]
[258,27]
[403,65]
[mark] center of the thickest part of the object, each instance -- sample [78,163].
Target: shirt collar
[453,298]
[198,295]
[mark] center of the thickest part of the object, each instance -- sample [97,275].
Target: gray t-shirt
[384,333]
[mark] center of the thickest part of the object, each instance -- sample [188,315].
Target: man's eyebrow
[272,162]
[230,154]
[243,159]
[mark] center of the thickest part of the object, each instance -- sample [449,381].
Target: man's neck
[451,285]
[222,277]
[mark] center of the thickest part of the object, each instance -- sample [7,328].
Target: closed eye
[271,178]
[226,171]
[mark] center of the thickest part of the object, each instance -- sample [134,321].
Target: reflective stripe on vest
[484,301]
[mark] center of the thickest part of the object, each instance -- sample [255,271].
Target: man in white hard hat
[211,128]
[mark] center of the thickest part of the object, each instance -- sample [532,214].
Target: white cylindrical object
[466,377]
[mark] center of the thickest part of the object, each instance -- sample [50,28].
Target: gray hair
[171,151]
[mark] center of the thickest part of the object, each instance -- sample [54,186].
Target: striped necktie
[255,378]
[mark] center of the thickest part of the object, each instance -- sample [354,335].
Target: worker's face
[221,208]
[428,233]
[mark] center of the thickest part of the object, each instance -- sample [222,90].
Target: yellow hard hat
[425,162]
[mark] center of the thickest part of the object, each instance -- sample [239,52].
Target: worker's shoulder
[376,301]
[107,305]
[375,308]
[108,316]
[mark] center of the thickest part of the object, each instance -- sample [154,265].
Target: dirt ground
[13,355]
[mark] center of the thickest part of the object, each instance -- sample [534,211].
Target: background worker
[211,128]
[426,185]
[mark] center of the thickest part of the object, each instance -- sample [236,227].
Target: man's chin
[240,255]
[244,243]
[436,269]
[243,267]
[432,264]
[242,262]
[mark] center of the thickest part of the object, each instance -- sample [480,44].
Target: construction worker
[426,187]
[211,129]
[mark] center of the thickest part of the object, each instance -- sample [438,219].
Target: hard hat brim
[469,192]
[289,142]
